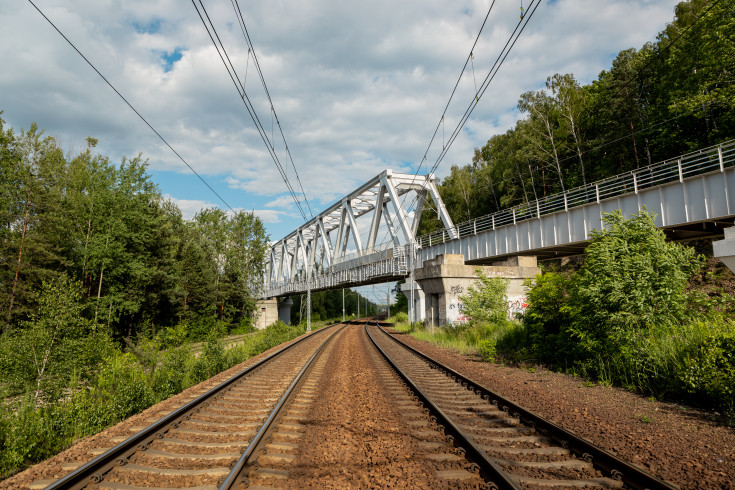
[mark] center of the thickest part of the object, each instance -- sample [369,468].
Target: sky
[357,87]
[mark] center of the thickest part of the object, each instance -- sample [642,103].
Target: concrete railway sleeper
[513,447]
[208,441]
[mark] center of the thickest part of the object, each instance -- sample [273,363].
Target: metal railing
[386,263]
[712,159]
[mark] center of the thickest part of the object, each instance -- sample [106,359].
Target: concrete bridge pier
[284,310]
[419,299]
[725,249]
[270,310]
[446,278]
[266,312]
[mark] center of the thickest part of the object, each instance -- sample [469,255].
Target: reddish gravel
[358,434]
[676,443]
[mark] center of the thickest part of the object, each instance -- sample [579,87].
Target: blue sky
[358,87]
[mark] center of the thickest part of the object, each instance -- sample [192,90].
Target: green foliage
[485,303]
[55,345]
[652,103]
[709,372]
[626,318]
[125,384]
[487,349]
[632,279]
[105,225]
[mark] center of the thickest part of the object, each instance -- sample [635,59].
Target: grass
[125,384]
[465,338]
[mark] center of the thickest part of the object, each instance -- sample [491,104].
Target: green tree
[57,344]
[486,303]
[632,279]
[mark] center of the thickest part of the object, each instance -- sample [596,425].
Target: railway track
[269,427]
[512,447]
[213,441]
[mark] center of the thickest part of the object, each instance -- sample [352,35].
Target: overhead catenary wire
[232,72]
[131,107]
[510,43]
[251,49]
[515,35]
[454,90]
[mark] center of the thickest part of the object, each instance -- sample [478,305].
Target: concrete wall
[266,312]
[446,278]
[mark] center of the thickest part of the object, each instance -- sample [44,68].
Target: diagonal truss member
[323,242]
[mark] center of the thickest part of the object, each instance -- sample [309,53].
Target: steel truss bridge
[693,195]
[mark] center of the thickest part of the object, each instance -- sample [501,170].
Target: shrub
[632,278]
[486,302]
[486,349]
[709,373]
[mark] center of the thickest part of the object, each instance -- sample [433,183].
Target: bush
[709,373]
[486,303]
[632,279]
[486,349]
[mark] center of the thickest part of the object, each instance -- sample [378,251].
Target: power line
[510,43]
[131,107]
[232,72]
[489,78]
[251,48]
[459,78]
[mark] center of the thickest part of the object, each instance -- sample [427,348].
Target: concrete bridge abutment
[270,310]
[266,312]
[725,249]
[446,278]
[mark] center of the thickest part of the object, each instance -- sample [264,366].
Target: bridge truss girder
[316,253]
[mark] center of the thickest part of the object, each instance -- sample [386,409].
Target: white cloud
[358,86]
[189,207]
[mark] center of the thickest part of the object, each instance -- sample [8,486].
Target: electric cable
[232,72]
[251,48]
[131,107]
[510,43]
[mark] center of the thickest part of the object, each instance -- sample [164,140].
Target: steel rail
[93,472]
[235,474]
[500,479]
[619,469]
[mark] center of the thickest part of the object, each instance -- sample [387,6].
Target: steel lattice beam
[338,229]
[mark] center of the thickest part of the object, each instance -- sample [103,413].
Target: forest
[104,287]
[671,96]
[102,233]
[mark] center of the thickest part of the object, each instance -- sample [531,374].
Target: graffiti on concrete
[517,305]
[455,290]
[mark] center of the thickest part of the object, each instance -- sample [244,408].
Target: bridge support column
[284,310]
[419,300]
[725,249]
[446,278]
[266,312]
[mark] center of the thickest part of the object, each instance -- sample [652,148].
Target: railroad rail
[212,439]
[513,447]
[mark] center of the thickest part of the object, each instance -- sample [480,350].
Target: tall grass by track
[33,429]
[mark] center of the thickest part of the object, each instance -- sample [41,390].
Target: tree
[485,302]
[543,130]
[56,344]
[571,103]
[632,278]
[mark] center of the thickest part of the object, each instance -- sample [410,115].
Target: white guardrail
[714,158]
